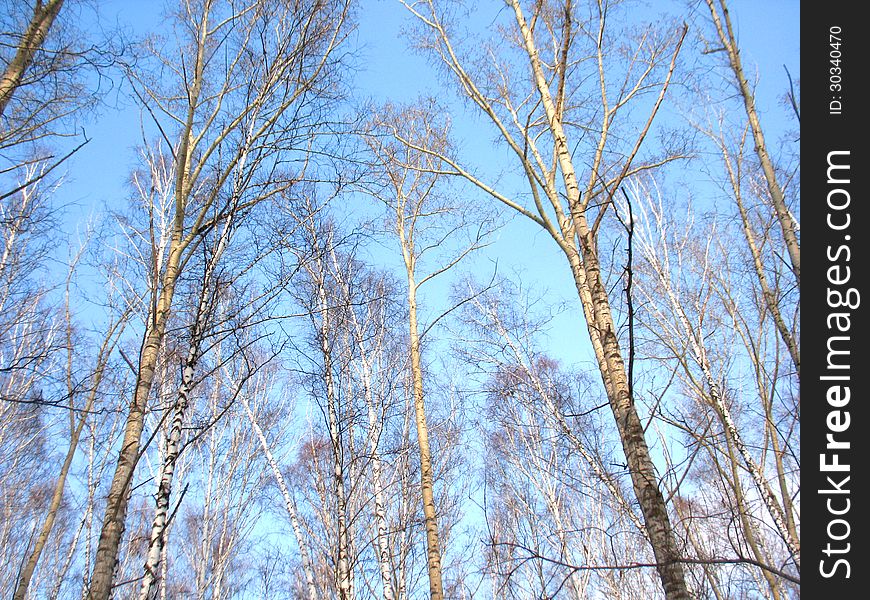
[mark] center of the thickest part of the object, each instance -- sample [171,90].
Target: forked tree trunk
[580,248]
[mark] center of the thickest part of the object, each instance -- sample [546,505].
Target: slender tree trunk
[380,513]
[722,409]
[89,518]
[787,222]
[343,573]
[60,484]
[602,332]
[289,503]
[114,521]
[433,549]
[404,541]
[31,42]
[770,299]
[374,435]
[148,590]
[51,515]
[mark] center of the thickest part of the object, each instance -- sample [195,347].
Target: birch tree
[202,319]
[726,40]
[32,344]
[557,507]
[713,335]
[370,337]
[290,504]
[230,110]
[425,223]
[326,310]
[535,88]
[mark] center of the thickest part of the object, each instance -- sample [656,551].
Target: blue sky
[390,70]
[97,176]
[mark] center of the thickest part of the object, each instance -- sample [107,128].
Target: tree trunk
[114,521]
[380,514]
[148,590]
[31,42]
[51,515]
[289,503]
[602,332]
[786,221]
[433,550]
[343,573]
[60,484]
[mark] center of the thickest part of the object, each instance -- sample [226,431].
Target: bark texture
[32,40]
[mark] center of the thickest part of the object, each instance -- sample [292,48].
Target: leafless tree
[693,309]
[727,43]
[233,125]
[554,500]
[535,87]
[406,144]
[78,416]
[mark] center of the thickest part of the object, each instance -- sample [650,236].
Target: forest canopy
[408,299]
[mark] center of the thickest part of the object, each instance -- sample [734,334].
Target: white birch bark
[148,589]
[375,429]
[289,502]
[318,272]
[695,337]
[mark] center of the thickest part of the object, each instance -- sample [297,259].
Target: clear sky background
[390,70]
[768,33]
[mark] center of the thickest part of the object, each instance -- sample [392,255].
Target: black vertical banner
[835,238]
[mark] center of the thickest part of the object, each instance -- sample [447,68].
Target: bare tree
[324,311]
[78,416]
[721,19]
[406,145]
[546,106]
[232,120]
[553,503]
[289,501]
[687,290]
